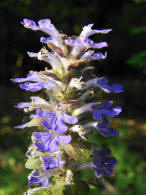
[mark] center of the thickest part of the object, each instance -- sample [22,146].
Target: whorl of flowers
[67,110]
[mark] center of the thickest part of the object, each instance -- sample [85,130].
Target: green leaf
[94,191]
[138,60]
[33,163]
[77,153]
[93,139]
[87,174]
[34,122]
[138,30]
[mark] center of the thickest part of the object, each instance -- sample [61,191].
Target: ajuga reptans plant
[67,111]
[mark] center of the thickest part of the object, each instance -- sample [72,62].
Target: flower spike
[67,110]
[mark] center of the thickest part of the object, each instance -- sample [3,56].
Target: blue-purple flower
[56,119]
[103,84]
[48,141]
[37,82]
[90,56]
[52,44]
[88,31]
[98,110]
[102,128]
[47,56]
[22,126]
[35,121]
[40,177]
[80,45]
[30,24]
[52,161]
[83,43]
[46,26]
[36,101]
[103,109]
[22,105]
[102,164]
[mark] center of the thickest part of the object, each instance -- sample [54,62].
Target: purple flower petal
[48,142]
[97,115]
[64,139]
[97,56]
[39,178]
[32,54]
[22,126]
[91,44]
[116,88]
[48,147]
[69,41]
[101,126]
[19,80]
[103,83]
[45,25]
[30,24]
[112,112]
[104,105]
[69,119]
[59,125]
[100,45]
[109,132]
[39,135]
[23,105]
[56,119]
[52,161]
[31,86]
[87,31]
[30,77]
[47,40]
[41,81]
[101,163]
[103,109]
[48,123]
[104,151]
[45,182]
[45,113]
[55,124]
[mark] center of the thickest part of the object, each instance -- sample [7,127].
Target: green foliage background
[126,64]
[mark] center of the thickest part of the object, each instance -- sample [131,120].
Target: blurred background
[125,64]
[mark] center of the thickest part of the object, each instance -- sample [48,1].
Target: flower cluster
[67,112]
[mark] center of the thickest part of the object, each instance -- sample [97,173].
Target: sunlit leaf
[33,163]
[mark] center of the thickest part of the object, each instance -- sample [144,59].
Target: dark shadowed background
[125,64]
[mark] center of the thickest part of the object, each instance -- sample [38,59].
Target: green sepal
[94,190]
